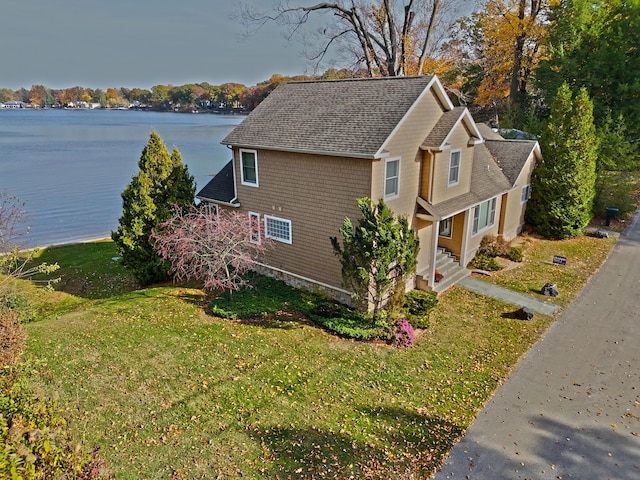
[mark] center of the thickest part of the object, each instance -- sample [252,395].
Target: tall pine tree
[146,202]
[563,184]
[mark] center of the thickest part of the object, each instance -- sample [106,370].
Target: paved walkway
[490,290]
[571,407]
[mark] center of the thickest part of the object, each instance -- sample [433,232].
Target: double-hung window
[526,192]
[277,228]
[454,167]
[391,178]
[484,215]
[249,167]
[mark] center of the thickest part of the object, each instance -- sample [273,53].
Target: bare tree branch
[381,34]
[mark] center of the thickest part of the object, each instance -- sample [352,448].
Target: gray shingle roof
[442,129]
[511,155]
[345,117]
[221,187]
[487,132]
[487,181]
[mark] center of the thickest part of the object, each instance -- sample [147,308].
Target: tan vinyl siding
[405,143]
[441,190]
[512,219]
[315,193]
[424,230]
[425,175]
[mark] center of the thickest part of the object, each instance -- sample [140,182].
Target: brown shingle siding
[315,194]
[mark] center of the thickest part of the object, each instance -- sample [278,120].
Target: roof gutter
[364,156]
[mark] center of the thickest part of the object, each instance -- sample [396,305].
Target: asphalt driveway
[571,407]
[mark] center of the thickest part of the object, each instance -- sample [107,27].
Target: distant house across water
[12,104]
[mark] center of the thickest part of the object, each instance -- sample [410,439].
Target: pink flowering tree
[215,248]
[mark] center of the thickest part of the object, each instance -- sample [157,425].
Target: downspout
[234,200]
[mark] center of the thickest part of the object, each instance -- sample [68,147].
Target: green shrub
[417,305]
[328,309]
[36,443]
[515,254]
[492,246]
[484,262]
[616,189]
[20,304]
[355,326]
[222,313]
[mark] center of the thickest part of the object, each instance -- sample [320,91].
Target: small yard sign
[559,260]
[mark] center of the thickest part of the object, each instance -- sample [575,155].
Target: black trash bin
[611,212]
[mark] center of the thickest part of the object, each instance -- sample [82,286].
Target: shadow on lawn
[283,320]
[403,444]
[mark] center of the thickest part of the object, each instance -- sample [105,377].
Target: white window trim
[397,193]
[525,189]
[211,208]
[491,212]
[450,230]
[256,216]
[457,181]
[255,156]
[279,239]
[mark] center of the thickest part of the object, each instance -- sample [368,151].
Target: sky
[138,43]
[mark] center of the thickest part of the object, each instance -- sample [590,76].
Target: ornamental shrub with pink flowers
[404,334]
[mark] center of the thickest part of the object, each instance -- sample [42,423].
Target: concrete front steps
[451,270]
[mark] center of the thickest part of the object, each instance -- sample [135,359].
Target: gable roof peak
[347,117]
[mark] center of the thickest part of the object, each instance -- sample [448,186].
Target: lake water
[70,166]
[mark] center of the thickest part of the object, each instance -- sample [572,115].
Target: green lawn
[170,392]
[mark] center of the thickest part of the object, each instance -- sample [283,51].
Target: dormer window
[454,167]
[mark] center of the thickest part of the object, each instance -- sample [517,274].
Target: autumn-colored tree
[139,95]
[507,39]
[161,182]
[216,249]
[160,96]
[386,37]
[72,95]
[6,94]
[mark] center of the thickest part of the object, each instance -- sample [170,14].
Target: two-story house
[310,149]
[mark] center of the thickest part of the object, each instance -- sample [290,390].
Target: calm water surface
[71,166]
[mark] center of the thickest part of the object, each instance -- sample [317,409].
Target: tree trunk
[425,45]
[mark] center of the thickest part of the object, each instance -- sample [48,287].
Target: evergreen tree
[563,184]
[163,181]
[377,255]
[595,44]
